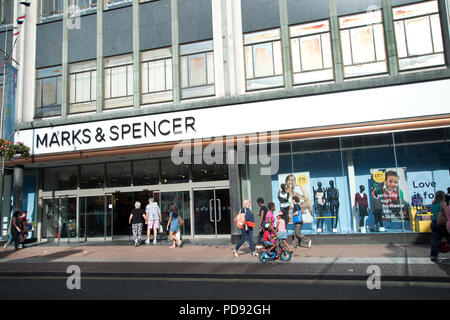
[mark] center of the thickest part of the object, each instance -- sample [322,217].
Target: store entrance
[123,204]
[212,212]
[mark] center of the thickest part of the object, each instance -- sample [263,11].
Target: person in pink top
[270,218]
[281,230]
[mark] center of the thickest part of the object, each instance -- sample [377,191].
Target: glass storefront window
[60,178]
[204,172]
[146,172]
[118,174]
[92,176]
[172,173]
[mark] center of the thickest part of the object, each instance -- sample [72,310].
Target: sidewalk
[214,258]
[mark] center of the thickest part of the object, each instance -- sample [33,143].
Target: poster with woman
[298,184]
[389,190]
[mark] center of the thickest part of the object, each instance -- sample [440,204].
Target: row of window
[130,173]
[363,50]
[53,8]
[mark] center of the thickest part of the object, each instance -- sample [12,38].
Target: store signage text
[116,132]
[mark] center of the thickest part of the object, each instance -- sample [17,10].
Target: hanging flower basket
[10,150]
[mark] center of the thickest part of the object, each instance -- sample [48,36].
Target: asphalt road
[161,287]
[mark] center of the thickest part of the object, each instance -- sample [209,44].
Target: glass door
[212,212]
[93,217]
[60,218]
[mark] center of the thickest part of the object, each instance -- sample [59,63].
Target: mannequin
[333,202]
[362,205]
[320,204]
[283,197]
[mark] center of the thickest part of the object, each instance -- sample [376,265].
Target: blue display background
[423,163]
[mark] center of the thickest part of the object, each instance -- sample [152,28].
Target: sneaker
[147,241]
[309,244]
[334,229]
[154,241]
[254,254]
[235,254]
[382,229]
[319,230]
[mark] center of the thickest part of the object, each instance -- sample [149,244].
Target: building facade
[205,103]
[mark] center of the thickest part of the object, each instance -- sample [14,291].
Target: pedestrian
[270,217]
[15,229]
[23,227]
[262,218]
[153,219]
[137,219]
[282,231]
[298,237]
[438,232]
[247,229]
[174,225]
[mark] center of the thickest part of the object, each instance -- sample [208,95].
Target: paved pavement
[214,258]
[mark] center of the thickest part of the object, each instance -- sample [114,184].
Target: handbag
[180,221]
[299,217]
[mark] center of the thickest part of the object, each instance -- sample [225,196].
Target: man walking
[153,219]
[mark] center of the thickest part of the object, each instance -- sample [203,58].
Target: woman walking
[438,232]
[247,229]
[298,237]
[16,230]
[137,219]
[174,224]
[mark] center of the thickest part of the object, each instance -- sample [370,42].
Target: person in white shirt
[153,219]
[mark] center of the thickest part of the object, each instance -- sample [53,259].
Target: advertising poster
[290,185]
[389,194]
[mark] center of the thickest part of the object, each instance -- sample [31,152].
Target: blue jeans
[437,234]
[246,234]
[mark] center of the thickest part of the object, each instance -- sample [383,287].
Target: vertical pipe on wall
[136,56]
[65,61]
[99,76]
[284,23]
[335,42]
[389,34]
[175,52]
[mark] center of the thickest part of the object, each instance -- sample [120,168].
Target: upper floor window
[82,78]
[118,81]
[50,8]
[363,45]
[112,3]
[156,73]
[83,4]
[197,69]
[263,60]
[418,35]
[311,52]
[6,12]
[48,92]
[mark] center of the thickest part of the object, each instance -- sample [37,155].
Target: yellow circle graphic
[302,180]
[379,176]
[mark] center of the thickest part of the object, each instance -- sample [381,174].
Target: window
[418,35]
[263,60]
[82,86]
[156,72]
[50,8]
[197,69]
[311,52]
[92,176]
[118,174]
[48,92]
[363,45]
[84,4]
[119,81]
[6,12]
[112,3]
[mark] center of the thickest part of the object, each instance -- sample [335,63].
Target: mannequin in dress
[333,203]
[362,205]
[319,204]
